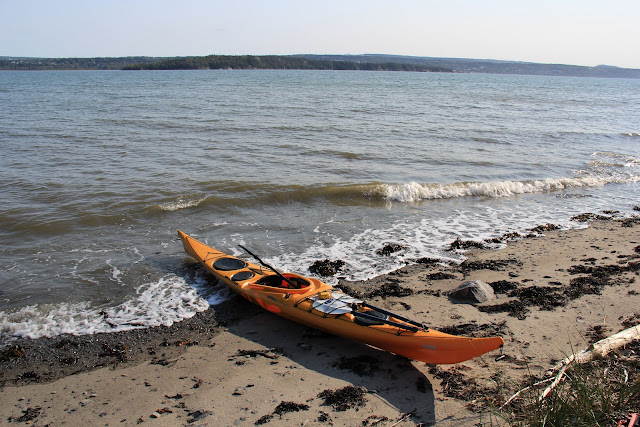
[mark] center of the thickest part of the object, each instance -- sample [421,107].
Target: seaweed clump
[389,249]
[344,398]
[282,408]
[363,366]
[548,298]
[476,330]
[457,385]
[326,267]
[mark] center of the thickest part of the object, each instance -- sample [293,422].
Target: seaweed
[326,267]
[344,398]
[494,265]
[476,330]
[273,353]
[440,276]
[457,385]
[363,366]
[389,249]
[503,286]
[284,407]
[391,289]
[28,415]
[465,245]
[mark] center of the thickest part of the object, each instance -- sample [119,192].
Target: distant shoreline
[316,62]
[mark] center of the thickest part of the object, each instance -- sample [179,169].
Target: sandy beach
[235,364]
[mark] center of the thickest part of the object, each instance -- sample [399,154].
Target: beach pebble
[473,291]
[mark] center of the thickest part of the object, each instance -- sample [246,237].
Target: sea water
[99,169]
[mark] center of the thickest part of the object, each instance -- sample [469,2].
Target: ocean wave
[601,169]
[413,191]
[181,202]
[164,302]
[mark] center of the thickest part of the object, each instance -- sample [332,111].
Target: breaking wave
[413,191]
[164,302]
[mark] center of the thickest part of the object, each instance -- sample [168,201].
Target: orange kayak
[309,301]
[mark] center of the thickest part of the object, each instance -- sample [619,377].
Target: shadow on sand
[392,378]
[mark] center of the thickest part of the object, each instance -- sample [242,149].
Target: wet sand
[235,364]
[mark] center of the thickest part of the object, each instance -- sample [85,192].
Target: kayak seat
[277,282]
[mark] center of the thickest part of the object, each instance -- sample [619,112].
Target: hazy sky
[580,32]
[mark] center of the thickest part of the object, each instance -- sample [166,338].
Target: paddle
[268,266]
[388,313]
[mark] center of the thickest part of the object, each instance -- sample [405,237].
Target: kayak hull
[313,303]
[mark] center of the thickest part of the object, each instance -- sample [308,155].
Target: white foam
[413,191]
[604,168]
[183,202]
[164,302]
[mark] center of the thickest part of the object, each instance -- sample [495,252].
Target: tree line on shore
[272,62]
[368,62]
[210,62]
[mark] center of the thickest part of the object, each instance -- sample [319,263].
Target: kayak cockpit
[292,282]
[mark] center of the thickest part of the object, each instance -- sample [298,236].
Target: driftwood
[602,347]
[598,349]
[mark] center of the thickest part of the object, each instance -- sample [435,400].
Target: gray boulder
[474,291]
